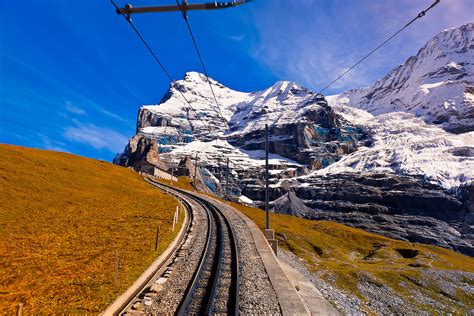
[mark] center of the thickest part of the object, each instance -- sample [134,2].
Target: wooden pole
[174,220]
[195,171]
[227,181]
[116,265]
[158,228]
[19,310]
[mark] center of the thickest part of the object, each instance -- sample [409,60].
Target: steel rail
[208,302]
[194,284]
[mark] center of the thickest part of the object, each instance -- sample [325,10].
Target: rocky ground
[376,297]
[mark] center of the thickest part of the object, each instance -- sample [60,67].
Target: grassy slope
[343,255]
[62,217]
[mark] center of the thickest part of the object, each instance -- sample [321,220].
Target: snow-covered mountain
[372,164]
[306,135]
[303,127]
[437,84]
[404,144]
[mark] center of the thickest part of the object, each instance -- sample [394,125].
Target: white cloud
[74,109]
[114,116]
[236,38]
[96,137]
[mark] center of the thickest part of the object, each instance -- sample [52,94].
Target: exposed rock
[400,207]
[290,204]
[140,148]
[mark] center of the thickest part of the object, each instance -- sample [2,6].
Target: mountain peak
[194,76]
[458,39]
[436,84]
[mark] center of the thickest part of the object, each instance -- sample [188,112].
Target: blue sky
[73,75]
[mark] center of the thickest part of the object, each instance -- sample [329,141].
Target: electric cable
[129,20]
[419,16]
[185,17]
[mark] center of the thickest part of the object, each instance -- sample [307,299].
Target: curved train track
[214,287]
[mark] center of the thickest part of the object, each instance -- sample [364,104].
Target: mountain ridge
[372,171]
[437,84]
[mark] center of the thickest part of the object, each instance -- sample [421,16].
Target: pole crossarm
[128,9]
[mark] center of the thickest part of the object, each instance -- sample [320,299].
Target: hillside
[62,219]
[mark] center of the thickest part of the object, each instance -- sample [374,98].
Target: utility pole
[267,223]
[227,181]
[267,232]
[195,171]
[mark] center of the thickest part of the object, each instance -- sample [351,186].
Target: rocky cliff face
[305,133]
[394,173]
[402,207]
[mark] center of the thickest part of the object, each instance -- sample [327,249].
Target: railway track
[215,288]
[214,285]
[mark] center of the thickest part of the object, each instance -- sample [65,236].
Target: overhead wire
[185,17]
[150,50]
[338,184]
[419,16]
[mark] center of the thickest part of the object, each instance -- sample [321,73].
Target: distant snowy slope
[404,144]
[437,84]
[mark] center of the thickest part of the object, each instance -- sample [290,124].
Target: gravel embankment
[168,290]
[257,295]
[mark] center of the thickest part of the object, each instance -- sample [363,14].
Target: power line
[129,20]
[419,16]
[185,17]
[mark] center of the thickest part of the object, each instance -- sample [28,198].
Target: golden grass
[62,219]
[343,255]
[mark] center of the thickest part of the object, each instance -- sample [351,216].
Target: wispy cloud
[74,109]
[51,144]
[74,95]
[115,116]
[96,137]
[315,41]
[236,38]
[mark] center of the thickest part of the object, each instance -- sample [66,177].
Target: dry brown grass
[342,255]
[62,218]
